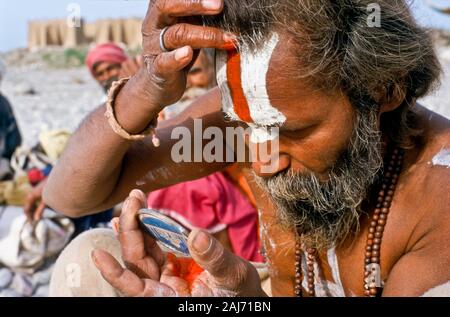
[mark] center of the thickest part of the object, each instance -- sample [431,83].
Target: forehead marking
[240,103]
[242,81]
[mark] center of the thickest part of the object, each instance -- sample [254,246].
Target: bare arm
[98,168]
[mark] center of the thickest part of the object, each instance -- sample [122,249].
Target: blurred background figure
[10,137]
[108,62]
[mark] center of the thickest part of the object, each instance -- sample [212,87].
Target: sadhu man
[357,203]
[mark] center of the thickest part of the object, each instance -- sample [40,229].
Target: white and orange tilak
[242,79]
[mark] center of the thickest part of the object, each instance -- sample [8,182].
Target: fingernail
[138,194]
[201,243]
[212,4]
[181,53]
[230,42]
[229,37]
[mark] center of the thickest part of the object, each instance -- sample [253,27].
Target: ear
[390,98]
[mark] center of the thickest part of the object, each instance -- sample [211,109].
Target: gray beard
[325,213]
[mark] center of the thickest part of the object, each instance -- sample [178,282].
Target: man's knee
[75,274]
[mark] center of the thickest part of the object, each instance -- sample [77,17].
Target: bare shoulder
[424,212]
[427,177]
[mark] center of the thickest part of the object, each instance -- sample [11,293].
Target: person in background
[108,62]
[10,137]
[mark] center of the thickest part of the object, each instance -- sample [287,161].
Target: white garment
[25,246]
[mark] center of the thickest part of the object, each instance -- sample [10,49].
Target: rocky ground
[48,92]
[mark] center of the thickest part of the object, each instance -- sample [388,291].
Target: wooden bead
[368,254]
[370,236]
[369,242]
[375,260]
[376,247]
[375,253]
[377,211]
[381,222]
[383,216]
[385,210]
[378,234]
[373,291]
[373,224]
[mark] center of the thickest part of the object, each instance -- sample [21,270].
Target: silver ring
[161,40]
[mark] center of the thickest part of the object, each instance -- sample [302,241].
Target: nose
[277,163]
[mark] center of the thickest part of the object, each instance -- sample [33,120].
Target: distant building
[58,33]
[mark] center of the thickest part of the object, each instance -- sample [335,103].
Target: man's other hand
[151,272]
[34,206]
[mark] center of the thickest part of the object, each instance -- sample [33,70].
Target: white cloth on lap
[24,246]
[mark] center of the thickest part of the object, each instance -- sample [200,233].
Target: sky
[14,15]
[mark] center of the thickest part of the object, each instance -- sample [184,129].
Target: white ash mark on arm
[442,158]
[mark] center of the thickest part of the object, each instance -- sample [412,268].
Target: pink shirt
[215,204]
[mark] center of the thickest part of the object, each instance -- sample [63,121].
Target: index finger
[162,13]
[124,280]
